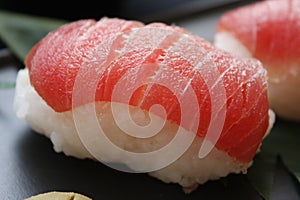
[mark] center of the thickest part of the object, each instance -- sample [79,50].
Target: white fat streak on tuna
[242,68]
[154,40]
[135,40]
[246,112]
[95,39]
[217,92]
[105,51]
[246,68]
[188,51]
[168,42]
[259,76]
[261,92]
[255,70]
[202,65]
[253,131]
[174,44]
[146,38]
[122,26]
[271,121]
[139,39]
[257,12]
[93,70]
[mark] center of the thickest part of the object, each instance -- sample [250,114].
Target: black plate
[29,165]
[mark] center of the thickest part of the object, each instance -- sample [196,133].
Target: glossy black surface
[29,165]
[144,10]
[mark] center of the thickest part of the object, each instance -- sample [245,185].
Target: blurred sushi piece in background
[269,31]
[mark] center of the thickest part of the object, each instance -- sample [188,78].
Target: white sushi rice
[283,86]
[226,41]
[188,170]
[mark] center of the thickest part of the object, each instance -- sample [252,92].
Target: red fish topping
[127,51]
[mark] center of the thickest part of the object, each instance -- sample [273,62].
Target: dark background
[144,10]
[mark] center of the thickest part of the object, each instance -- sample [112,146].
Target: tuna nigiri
[268,31]
[151,96]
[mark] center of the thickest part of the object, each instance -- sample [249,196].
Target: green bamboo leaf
[20,31]
[285,182]
[283,141]
[7,85]
[261,174]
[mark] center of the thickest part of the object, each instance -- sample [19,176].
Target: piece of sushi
[269,31]
[153,97]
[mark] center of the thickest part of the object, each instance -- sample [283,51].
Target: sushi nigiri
[152,97]
[268,31]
